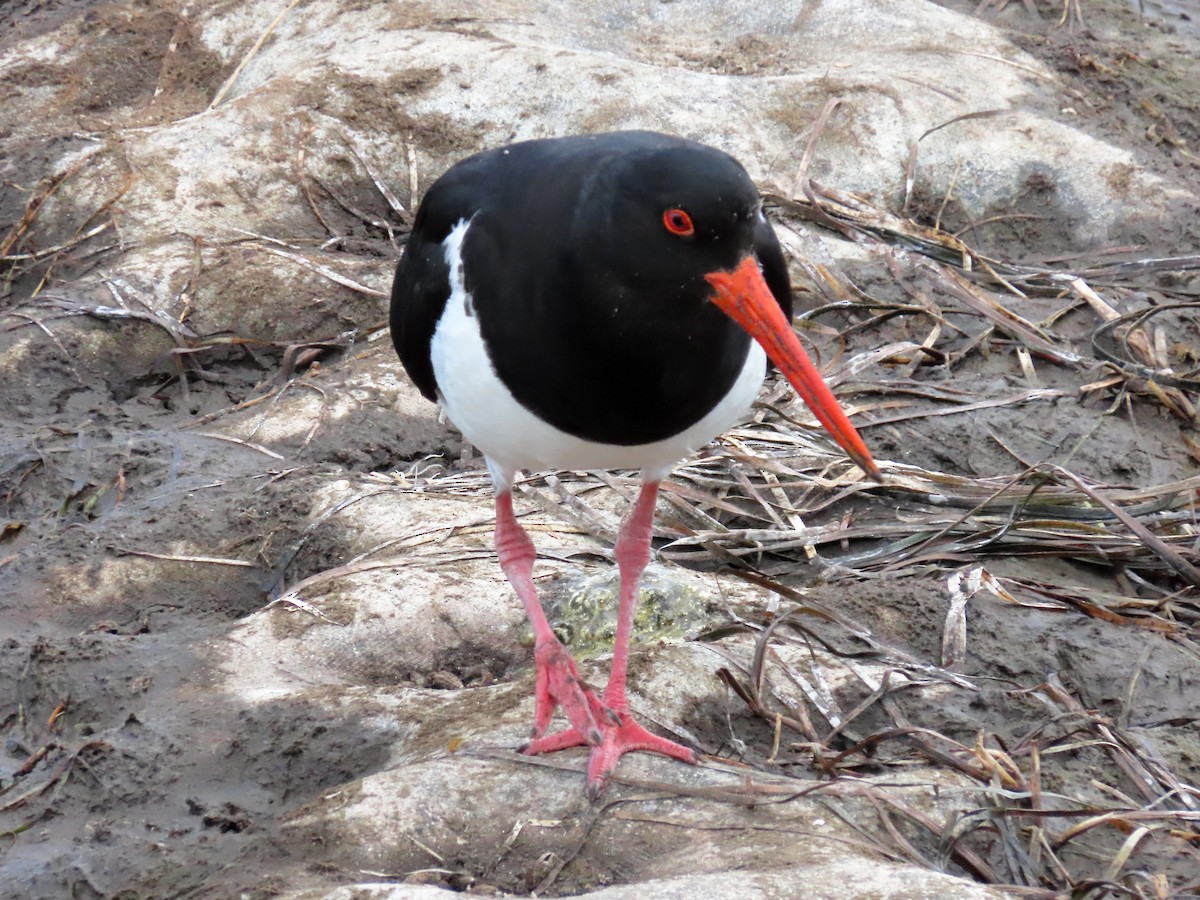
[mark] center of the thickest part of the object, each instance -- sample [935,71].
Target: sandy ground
[126,771]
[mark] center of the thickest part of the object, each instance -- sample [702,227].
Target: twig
[250,54]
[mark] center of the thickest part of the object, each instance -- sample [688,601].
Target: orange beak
[743,295]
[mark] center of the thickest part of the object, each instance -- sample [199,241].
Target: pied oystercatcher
[595,302]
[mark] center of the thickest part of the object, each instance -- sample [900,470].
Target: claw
[621,734]
[559,684]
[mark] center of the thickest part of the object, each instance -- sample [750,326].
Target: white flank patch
[512,437]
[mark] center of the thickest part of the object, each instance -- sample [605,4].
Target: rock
[248,605]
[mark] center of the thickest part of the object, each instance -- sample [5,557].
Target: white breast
[512,437]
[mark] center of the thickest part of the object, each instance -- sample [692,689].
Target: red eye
[678,222]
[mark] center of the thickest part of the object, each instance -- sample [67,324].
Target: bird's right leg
[558,681]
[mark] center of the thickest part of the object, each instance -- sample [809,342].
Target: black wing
[419,294]
[496,177]
[422,283]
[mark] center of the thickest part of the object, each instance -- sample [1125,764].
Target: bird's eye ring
[678,222]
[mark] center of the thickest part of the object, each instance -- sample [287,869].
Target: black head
[674,215]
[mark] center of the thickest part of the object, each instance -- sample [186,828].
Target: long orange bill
[743,295]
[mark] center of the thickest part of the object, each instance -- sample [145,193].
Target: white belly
[513,438]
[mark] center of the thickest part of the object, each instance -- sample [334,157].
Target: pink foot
[620,734]
[559,684]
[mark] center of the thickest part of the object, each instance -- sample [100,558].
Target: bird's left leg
[619,732]
[558,681]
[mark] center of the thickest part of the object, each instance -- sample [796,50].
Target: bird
[590,302]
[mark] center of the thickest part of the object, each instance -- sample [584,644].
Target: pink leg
[619,732]
[558,681]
